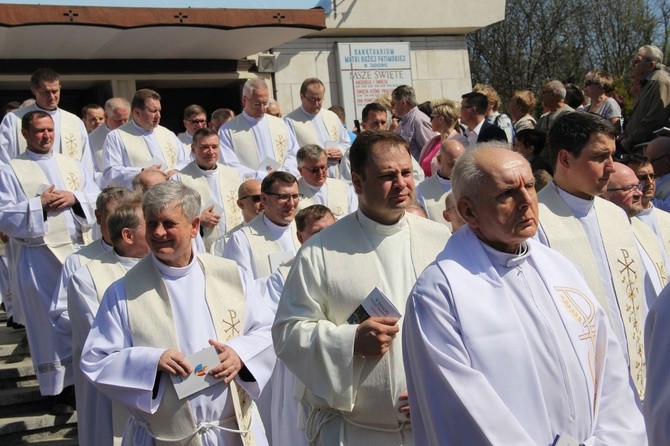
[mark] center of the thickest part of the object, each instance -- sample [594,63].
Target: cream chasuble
[354,400]
[659,221]
[226,196]
[137,150]
[337,196]
[430,194]
[565,233]
[262,244]
[146,294]
[244,143]
[649,243]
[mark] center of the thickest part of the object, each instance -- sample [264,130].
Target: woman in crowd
[444,119]
[520,107]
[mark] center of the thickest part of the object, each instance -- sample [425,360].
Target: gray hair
[114,103]
[272,102]
[111,194]
[253,84]
[652,53]
[311,151]
[405,92]
[171,193]
[467,176]
[556,87]
[124,216]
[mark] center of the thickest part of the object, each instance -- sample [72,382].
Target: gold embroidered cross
[627,265]
[280,148]
[72,181]
[171,154]
[71,145]
[232,325]
[334,131]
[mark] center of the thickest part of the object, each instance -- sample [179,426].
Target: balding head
[658,152]
[447,156]
[623,190]
[249,199]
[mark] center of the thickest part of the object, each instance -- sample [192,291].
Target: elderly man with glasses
[651,110]
[254,142]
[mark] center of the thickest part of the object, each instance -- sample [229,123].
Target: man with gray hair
[317,188]
[117,111]
[254,142]
[196,301]
[499,312]
[553,99]
[313,124]
[414,126]
[651,110]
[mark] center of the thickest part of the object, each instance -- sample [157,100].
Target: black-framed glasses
[317,169]
[254,198]
[197,121]
[284,198]
[626,189]
[589,83]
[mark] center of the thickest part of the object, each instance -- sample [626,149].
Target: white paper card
[565,440]
[202,362]
[42,188]
[279,258]
[268,164]
[218,210]
[155,161]
[376,304]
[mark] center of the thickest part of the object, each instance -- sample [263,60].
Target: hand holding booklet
[202,362]
[376,304]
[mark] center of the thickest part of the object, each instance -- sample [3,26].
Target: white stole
[337,196]
[71,141]
[305,132]
[262,244]
[229,181]
[138,151]
[244,141]
[31,177]
[566,234]
[649,243]
[433,195]
[146,294]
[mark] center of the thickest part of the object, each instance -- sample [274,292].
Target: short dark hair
[316,212]
[141,96]
[574,96]
[372,106]
[203,133]
[310,81]
[572,132]
[28,118]
[477,100]
[532,138]
[405,92]
[192,110]
[43,75]
[125,215]
[88,107]
[635,159]
[276,177]
[360,150]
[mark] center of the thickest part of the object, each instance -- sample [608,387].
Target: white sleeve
[19,216]
[116,165]
[237,248]
[657,349]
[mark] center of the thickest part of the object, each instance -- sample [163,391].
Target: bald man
[451,214]
[623,190]
[431,192]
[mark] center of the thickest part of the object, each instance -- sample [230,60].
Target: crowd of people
[446,274]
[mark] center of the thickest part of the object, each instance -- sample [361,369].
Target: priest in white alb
[173,304]
[503,342]
[141,143]
[354,382]
[46,208]
[253,137]
[98,423]
[217,185]
[117,111]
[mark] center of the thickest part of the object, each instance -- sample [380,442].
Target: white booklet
[376,304]
[268,164]
[218,210]
[202,362]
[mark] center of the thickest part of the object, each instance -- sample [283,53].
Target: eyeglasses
[646,177]
[589,83]
[284,198]
[626,189]
[317,169]
[254,198]
[197,121]
[314,101]
[636,61]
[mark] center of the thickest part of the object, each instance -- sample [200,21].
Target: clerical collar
[51,112]
[372,226]
[646,211]
[39,156]
[208,172]
[139,129]
[444,181]
[274,228]
[250,119]
[508,259]
[106,246]
[172,271]
[126,262]
[579,206]
[308,113]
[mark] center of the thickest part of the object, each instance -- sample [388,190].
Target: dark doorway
[175,100]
